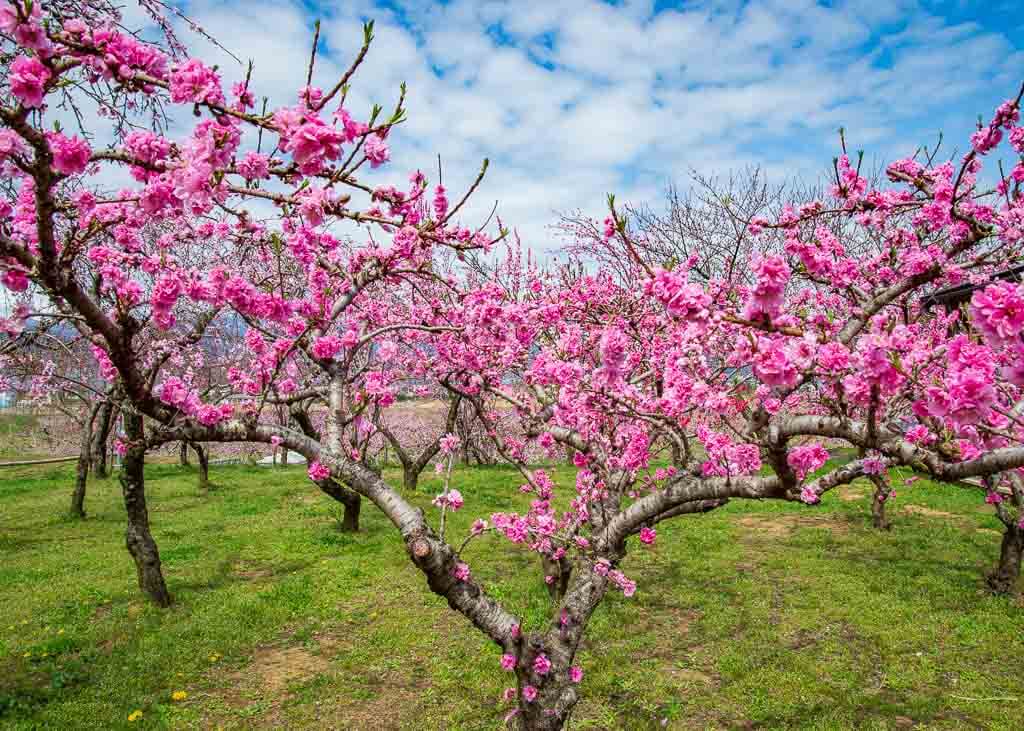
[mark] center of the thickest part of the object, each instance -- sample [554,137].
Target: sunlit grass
[757,615]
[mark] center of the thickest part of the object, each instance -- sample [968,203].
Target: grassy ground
[755,616]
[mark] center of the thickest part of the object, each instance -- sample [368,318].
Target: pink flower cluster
[765,299]
[807,458]
[318,471]
[452,499]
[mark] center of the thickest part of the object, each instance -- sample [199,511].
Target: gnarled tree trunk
[556,693]
[556,576]
[878,500]
[100,438]
[204,467]
[410,476]
[82,467]
[183,454]
[1003,580]
[138,538]
[84,462]
[350,500]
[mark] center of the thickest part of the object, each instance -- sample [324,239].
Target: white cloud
[574,99]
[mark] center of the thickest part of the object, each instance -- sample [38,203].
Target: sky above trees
[576,98]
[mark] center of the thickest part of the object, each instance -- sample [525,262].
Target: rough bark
[560,572]
[1003,580]
[183,455]
[100,438]
[350,501]
[410,476]
[556,693]
[878,501]
[138,538]
[84,462]
[204,467]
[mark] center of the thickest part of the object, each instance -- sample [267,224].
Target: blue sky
[577,98]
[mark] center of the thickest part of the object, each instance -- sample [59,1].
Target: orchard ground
[759,615]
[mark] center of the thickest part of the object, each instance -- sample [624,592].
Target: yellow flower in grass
[214,657]
[134,716]
[179,695]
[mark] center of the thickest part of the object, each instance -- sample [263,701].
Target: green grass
[758,615]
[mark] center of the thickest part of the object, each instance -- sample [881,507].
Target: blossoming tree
[817,345]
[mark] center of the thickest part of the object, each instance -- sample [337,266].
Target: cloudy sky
[577,98]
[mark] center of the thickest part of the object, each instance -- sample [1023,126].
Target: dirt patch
[276,668]
[988,531]
[251,571]
[689,675]
[391,707]
[851,496]
[778,526]
[928,512]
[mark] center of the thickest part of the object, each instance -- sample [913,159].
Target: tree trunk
[878,518]
[204,467]
[878,501]
[84,462]
[560,572]
[183,455]
[349,499]
[1004,579]
[81,477]
[100,437]
[410,477]
[138,538]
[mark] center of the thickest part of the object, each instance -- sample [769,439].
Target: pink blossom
[254,166]
[873,465]
[376,150]
[28,78]
[326,347]
[70,154]
[807,458]
[575,673]
[765,299]
[452,499]
[541,664]
[318,471]
[508,662]
[647,535]
[529,693]
[194,81]
[461,571]
[998,311]
[681,299]
[449,444]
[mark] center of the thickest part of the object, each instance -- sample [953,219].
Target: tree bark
[1003,580]
[84,462]
[204,467]
[560,571]
[349,499]
[410,476]
[138,538]
[183,455]
[557,695]
[100,437]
